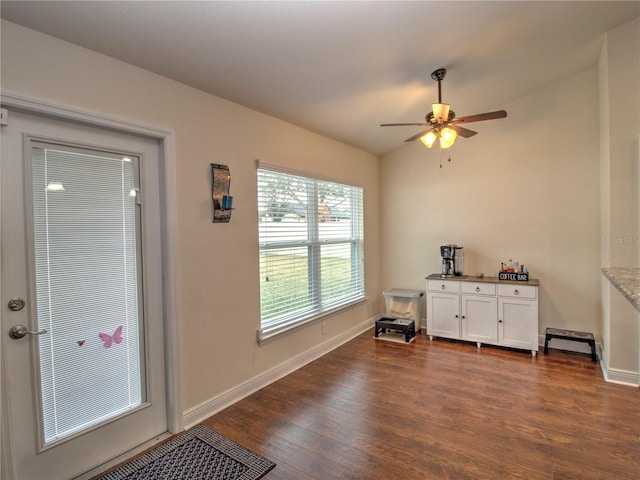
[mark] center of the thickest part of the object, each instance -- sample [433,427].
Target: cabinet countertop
[470,278]
[627,281]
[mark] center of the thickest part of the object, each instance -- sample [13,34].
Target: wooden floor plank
[441,409]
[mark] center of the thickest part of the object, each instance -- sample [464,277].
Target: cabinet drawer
[478,288]
[443,286]
[517,291]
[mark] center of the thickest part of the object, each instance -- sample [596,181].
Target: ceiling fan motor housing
[433,121]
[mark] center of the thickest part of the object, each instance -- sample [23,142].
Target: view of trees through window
[310,234]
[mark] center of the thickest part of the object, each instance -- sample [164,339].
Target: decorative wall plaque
[222,201]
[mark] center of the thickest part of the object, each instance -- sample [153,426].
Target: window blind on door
[86,239]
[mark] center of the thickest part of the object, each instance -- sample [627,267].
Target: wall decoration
[222,201]
[111,339]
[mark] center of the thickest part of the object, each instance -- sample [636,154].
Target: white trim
[175,419]
[622,377]
[197,414]
[30,105]
[617,375]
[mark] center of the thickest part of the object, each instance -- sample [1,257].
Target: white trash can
[404,303]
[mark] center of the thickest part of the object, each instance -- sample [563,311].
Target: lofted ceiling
[340,68]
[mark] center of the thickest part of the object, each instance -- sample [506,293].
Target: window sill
[268,335]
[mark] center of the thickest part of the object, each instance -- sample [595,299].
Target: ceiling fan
[442,123]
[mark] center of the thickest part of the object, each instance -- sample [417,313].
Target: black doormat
[197,454]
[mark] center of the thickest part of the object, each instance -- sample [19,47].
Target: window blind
[311,248]
[86,220]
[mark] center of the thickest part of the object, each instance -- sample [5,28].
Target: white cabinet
[518,316]
[484,312]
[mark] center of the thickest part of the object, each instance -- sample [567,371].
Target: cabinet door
[443,315]
[479,318]
[518,323]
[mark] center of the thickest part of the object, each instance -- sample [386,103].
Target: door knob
[19,331]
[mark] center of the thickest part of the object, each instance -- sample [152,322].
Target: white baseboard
[622,377]
[201,412]
[619,376]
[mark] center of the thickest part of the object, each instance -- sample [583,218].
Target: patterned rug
[197,454]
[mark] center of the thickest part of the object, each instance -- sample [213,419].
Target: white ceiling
[341,68]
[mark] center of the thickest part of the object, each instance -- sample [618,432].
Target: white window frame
[273,327]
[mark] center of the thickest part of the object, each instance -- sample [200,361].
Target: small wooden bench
[585,337]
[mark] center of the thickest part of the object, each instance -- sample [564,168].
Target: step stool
[406,326]
[585,337]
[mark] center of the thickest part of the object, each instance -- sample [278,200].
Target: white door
[81,255]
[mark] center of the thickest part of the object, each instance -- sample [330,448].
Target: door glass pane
[86,230]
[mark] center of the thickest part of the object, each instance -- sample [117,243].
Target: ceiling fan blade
[463,132]
[402,124]
[418,135]
[480,117]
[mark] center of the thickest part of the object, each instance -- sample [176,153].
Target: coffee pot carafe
[452,260]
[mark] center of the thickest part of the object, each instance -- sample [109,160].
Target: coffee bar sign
[514,276]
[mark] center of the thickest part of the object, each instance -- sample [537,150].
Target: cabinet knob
[443,287]
[463,316]
[457,316]
[499,321]
[516,292]
[477,289]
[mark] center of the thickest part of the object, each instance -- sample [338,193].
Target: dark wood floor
[441,410]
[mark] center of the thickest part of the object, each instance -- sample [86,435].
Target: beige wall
[619,68]
[623,98]
[525,188]
[218,263]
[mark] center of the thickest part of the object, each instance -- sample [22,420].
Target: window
[311,248]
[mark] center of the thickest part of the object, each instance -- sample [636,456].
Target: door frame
[170,291]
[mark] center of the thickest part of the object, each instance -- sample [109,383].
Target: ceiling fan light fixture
[447,137]
[429,138]
[440,112]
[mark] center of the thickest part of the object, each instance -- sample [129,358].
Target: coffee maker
[452,260]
